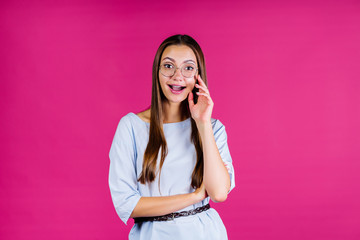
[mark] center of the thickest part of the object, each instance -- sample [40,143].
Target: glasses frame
[176,68]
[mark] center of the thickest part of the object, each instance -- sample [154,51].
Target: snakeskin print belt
[173,215]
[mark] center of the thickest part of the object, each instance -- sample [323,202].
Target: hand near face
[201,111]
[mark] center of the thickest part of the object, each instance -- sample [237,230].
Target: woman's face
[177,87]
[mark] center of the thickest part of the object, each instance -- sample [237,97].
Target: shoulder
[128,122]
[144,115]
[124,124]
[216,123]
[218,127]
[127,119]
[133,121]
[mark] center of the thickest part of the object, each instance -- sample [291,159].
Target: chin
[177,99]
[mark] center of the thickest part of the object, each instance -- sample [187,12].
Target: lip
[175,91]
[176,85]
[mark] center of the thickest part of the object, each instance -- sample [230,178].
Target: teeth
[177,88]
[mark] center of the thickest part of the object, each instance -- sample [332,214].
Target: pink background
[285,79]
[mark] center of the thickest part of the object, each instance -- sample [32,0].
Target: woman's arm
[123,181]
[216,177]
[157,206]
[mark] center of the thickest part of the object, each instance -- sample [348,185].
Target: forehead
[180,53]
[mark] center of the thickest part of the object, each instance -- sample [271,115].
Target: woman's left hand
[201,111]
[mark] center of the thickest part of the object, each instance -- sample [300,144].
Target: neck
[172,112]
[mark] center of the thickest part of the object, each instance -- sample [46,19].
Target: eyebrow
[171,59]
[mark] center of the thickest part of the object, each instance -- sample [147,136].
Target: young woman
[168,161]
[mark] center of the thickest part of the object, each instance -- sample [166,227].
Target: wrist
[196,197]
[203,123]
[205,129]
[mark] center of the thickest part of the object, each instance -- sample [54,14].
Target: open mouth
[176,87]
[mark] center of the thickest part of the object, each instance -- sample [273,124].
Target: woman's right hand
[200,192]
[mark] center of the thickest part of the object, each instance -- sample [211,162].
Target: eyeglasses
[188,70]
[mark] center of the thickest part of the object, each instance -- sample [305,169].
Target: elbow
[219,197]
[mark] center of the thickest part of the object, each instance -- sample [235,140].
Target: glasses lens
[188,70]
[167,69]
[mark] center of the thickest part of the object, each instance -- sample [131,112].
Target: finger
[202,88]
[191,99]
[202,83]
[205,95]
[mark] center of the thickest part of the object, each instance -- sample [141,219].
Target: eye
[168,65]
[189,68]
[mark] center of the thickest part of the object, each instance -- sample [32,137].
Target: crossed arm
[216,182]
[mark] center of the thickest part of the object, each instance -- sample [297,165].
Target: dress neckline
[165,124]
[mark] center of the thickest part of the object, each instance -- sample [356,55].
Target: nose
[178,75]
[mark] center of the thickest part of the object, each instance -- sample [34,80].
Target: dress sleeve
[122,171]
[221,142]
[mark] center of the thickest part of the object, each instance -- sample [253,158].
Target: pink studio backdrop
[284,78]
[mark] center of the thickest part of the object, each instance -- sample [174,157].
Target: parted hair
[157,139]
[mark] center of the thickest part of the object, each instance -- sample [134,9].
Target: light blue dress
[126,159]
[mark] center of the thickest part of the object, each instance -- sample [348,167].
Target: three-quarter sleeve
[221,142]
[122,172]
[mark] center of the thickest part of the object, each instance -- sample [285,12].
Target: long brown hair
[157,139]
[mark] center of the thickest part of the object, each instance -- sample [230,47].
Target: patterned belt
[173,215]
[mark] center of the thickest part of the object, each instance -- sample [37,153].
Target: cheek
[162,82]
[191,83]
